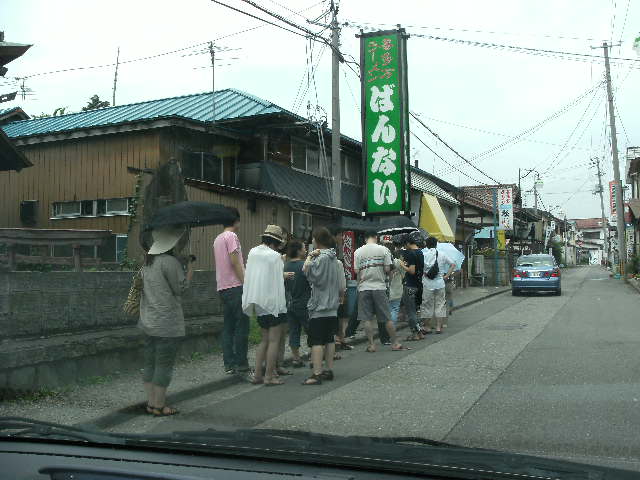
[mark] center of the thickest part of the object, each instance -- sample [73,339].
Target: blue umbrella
[452,252]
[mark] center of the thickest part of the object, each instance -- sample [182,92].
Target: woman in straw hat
[264,296]
[161,316]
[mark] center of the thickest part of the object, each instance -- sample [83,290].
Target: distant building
[590,239]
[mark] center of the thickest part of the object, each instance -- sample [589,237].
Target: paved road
[556,376]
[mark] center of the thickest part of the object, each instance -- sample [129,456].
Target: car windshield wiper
[19,427]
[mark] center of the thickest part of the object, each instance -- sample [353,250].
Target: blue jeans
[235,332]
[394,306]
[298,320]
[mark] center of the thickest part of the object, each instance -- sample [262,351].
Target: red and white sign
[348,242]
[612,197]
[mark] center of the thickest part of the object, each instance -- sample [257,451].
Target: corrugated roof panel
[229,104]
[422,183]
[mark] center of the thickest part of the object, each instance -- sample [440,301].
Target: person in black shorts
[325,274]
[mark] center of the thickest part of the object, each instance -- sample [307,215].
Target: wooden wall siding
[83,169]
[251,224]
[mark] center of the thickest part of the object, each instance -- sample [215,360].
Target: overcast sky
[490,94]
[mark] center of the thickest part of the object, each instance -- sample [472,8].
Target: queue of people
[284,284]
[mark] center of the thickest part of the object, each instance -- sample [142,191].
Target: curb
[126,413]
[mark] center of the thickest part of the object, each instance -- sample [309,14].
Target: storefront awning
[433,220]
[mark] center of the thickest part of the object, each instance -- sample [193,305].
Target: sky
[473,97]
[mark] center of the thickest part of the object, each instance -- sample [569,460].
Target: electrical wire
[624,24]
[451,148]
[517,138]
[554,161]
[358,24]
[440,157]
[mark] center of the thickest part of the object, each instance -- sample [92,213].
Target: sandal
[282,372]
[313,380]
[165,411]
[274,382]
[344,346]
[399,348]
[327,375]
[371,349]
[297,363]
[148,409]
[337,356]
[256,381]
[413,338]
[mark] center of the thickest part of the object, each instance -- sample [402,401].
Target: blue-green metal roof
[229,104]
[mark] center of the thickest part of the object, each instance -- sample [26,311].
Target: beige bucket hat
[165,238]
[275,232]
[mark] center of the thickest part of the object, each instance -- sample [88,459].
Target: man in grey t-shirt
[372,263]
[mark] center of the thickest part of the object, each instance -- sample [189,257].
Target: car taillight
[555,272]
[518,273]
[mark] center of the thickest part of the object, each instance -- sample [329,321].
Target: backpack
[433,270]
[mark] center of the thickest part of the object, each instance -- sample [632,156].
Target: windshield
[535,262]
[363,217]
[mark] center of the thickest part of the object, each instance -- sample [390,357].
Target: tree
[95,102]
[56,113]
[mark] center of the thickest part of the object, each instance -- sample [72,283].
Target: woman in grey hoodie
[325,274]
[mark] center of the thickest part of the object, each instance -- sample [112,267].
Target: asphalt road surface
[539,374]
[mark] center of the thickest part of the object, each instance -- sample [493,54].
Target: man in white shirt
[264,296]
[434,300]
[372,263]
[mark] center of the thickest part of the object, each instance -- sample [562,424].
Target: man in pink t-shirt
[230,278]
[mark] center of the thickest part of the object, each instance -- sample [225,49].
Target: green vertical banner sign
[385,122]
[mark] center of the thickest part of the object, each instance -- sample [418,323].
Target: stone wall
[36,304]
[61,327]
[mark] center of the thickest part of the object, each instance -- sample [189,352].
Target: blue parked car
[537,272]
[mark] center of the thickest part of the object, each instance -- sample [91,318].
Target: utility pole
[622,243]
[336,161]
[115,79]
[605,228]
[212,52]
[495,235]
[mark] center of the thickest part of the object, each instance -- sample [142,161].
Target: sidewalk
[105,402]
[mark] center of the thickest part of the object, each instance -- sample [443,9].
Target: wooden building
[233,148]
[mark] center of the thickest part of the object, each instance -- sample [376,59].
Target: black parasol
[396,225]
[190,214]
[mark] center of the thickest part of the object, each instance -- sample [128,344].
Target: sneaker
[386,343]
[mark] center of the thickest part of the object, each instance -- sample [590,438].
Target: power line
[440,157]
[468,30]
[451,148]
[615,105]
[498,134]
[553,162]
[624,24]
[529,50]
[539,125]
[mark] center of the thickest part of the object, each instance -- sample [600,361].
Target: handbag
[433,270]
[131,305]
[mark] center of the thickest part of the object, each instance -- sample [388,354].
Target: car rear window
[535,262]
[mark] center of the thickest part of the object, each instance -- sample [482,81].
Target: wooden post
[11,256]
[77,264]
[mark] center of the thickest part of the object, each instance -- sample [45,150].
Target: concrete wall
[61,327]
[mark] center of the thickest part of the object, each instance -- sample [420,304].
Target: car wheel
[515,292]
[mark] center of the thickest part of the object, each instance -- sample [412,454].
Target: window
[66,209]
[351,169]
[301,225]
[308,158]
[591,235]
[121,247]
[203,166]
[91,208]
